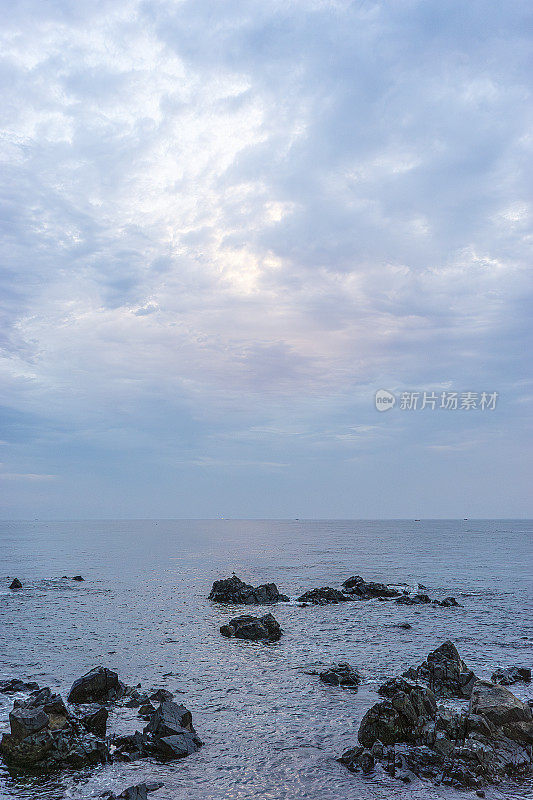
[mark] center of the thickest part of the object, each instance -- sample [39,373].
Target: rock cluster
[169,734]
[45,734]
[323,596]
[233,590]
[511,675]
[408,734]
[138,792]
[341,675]
[13,685]
[444,672]
[254,629]
[366,590]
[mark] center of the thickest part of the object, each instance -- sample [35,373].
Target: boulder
[78,578]
[341,675]
[169,735]
[364,590]
[15,685]
[94,719]
[100,685]
[138,792]
[44,734]
[168,719]
[444,672]
[233,590]
[448,602]
[146,710]
[511,675]
[161,695]
[414,600]
[254,629]
[323,596]
[16,584]
[399,718]
[500,706]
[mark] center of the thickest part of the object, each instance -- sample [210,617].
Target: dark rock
[421,587]
[78,578]
[233,590]
[364,590]
[341,675]
[253,628]
[145,711]
[168,719]
[405,625]
[444,672]
[161,695]
[16,584]
[399,718]
[511,675]
[138,792]
[169,734]
[498,705]
[94,719]
[15,685]
[448,602]
[99,685]
[415,600]
[44,734]
[323,596]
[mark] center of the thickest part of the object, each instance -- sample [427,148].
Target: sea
[271,729]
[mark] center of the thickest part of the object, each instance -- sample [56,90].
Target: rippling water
[271,731]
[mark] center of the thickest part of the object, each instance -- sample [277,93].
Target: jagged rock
[364,590]
[99,685]
[161,695]
[169,734]
[94,719]
[341,675]
[138,792]
[233,590]
[44,734]
[253,628]
[407,733]
[145,711]
[448,602]
[415,600]
[444,672]
[511,675]
[78,578]
[16,584]
[15,685]
[323,596]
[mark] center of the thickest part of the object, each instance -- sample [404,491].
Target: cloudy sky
[225,225]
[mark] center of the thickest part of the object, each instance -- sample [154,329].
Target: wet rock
[15,685]
[323,596]
[78,578]
[138,792]
[254,629]
[405,625]
[44,734]
[341,675]
[444,672]
[500,706]
[16,584]
[366,590]
[161,695]
[146,710]
[448,602]
[94,719]
[510,675]
[169,735]
[414,600]
[100,685]
[233,590]
[399,718]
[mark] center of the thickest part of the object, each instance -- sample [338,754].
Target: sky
[226,225]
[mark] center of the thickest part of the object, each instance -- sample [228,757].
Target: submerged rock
[323,596]
[364,590]
[138,792]
[15,685]
[341,675]
[415,600]
[169,735]
[43,733]
[233,590]
[407,734]
[444,672]
[15,584]
[448,602]
[254,629]
[78,578]
[511,675]
[161,695]
[100,685]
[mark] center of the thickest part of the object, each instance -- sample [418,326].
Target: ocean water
[271,730]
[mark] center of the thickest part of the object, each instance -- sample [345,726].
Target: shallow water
[271,731]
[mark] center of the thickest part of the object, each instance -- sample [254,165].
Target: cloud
[249,217]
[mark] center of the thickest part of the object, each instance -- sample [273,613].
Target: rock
[44,734]
[405,625]
[138,792]
[415,600]
[94,719]
[233,590]
[161,695]
[78,578]
[99,685]
[145,711]
[169,734]
[16,584]
[444,672]
[341,675]
[510,675]
[253,628]
[421,587]
[367,590]
[323,596]
[15,685]
[447,602]
[407,733]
